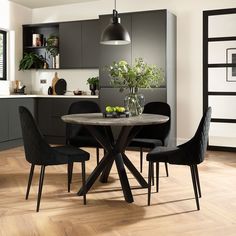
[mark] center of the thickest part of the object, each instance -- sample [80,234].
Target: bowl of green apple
[115,112]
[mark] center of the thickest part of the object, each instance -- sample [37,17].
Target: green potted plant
[93,84]
[140,75]
[31,60]
[52,47]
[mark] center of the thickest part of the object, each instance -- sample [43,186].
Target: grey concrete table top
[99,120]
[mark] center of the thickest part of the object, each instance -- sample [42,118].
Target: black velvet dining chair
[39,152]
[77,135]
[190,154]
[152,136]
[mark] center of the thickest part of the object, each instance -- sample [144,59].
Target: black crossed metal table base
[114,152]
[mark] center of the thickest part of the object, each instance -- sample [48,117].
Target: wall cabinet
[70,45]
[46,30]
[90,44]
[78,42]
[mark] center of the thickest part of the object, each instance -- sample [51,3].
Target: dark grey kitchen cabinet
[154,39]
[14,118]
[10,128]
[49,112]
[70,45]
[111,53]
[79,44]
[90,44]
[44,109]
[149,37]
[3,120]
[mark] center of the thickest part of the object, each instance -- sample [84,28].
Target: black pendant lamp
[115,33]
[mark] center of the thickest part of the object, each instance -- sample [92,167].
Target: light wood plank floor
[173,209]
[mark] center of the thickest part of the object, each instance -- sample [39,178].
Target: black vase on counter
[93,88]
[50,90]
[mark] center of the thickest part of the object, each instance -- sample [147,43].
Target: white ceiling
[47,3]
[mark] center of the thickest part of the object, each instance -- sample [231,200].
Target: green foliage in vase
[31,60]
[52,45]
[140,75]
[93,81]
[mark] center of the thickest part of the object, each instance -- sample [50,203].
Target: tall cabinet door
[149,37]
[70,45]
[111,53]
[90,44]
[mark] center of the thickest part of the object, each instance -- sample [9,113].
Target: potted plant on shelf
[140,75]
[32,60]
[52,46]
[93,84]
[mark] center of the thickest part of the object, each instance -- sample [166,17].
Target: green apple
[117,109]
[109,109]
[121,109]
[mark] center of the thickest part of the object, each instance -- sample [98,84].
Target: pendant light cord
[115,14]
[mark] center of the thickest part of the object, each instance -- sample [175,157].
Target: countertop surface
[48,96]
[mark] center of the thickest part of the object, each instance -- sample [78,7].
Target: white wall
[12,16]
[189,44]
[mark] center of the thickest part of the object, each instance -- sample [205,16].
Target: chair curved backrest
[159,131]
[197,146]
[37,150]
[78,108]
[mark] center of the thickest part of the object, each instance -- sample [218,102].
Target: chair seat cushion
[84,141]
[145,142]
[70,153]
[164,154]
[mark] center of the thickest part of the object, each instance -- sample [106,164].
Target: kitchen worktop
[47,96]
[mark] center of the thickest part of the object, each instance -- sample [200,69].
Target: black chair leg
[29,181]
[198,181]
[157,176]
[152,175]
[141,159]
[83,181]
[41,178]
[195,186]
[167,172]
[97,153]
[149,181]
[69,174]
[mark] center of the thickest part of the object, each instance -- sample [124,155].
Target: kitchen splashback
[4,87]
[76,79]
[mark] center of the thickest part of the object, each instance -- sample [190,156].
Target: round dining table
[100,128]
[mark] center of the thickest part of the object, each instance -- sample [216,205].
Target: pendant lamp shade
[115,33]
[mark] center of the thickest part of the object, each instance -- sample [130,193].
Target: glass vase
[134,102]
